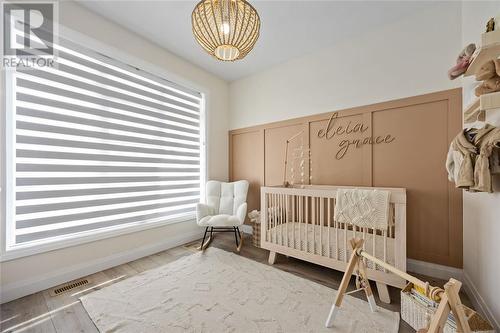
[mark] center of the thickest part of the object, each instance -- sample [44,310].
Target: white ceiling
[289,28]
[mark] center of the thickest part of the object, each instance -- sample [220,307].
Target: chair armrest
[241,212]
[203,210]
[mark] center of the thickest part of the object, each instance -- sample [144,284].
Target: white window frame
[8,167]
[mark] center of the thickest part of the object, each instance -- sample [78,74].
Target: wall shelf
[489,101]
[476,111]
[473,113]
[490,49]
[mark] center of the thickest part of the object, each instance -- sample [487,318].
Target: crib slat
[272,218]
[283,230]
[316,221]
[285,197]
[300,222]
[293,220]
[329,225]
[278,220]
[337,226]
[266,213]
[364,243]
[374,235]
[322,220]
[280,199]
[269,217]
[307,222]
[287,214]
[278,214]
[269,213]
[304,220]
[345,242]
[313,223]
[384,234]
[390,220]
[275,209]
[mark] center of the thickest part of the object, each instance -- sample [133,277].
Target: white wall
[481,210]
[405,58]
[29,274]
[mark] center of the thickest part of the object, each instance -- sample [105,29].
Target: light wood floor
[64,313]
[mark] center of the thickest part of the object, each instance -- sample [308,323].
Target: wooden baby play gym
[448,298]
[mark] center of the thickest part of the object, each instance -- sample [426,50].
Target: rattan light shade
[226,29]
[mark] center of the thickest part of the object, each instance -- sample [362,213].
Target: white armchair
[224,210]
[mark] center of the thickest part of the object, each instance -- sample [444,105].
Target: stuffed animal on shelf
[490,25]
[463,61]
[488,70]
[489,73]
[488,86]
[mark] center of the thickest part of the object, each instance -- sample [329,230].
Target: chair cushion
[222,220]
[225,198]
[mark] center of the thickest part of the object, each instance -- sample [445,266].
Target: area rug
[217,291]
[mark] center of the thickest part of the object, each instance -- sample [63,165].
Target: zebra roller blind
[100,144]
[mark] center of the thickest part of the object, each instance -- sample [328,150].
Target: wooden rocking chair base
[238,247]
[205,244]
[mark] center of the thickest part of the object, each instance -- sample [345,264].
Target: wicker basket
[418,316]
[256,234]
[255,221]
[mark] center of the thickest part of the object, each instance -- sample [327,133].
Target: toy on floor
[447,298]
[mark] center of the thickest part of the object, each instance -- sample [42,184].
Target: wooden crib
[298,222]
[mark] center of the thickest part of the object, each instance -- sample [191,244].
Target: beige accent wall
[422,128]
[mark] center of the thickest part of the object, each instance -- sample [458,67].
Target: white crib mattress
[337,251]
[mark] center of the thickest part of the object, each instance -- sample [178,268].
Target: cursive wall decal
[333,129]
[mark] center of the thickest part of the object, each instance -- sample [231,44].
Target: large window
[95,145]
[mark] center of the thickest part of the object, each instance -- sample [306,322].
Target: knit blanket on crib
[363,208]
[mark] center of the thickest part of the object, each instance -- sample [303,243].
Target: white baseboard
[35,284]
[478,302]
[433,270]
[247,229]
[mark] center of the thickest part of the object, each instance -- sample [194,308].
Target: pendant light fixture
[226,29]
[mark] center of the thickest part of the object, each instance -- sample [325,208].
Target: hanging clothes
[486,139]
[472,158]
[460,161]
[495,161]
